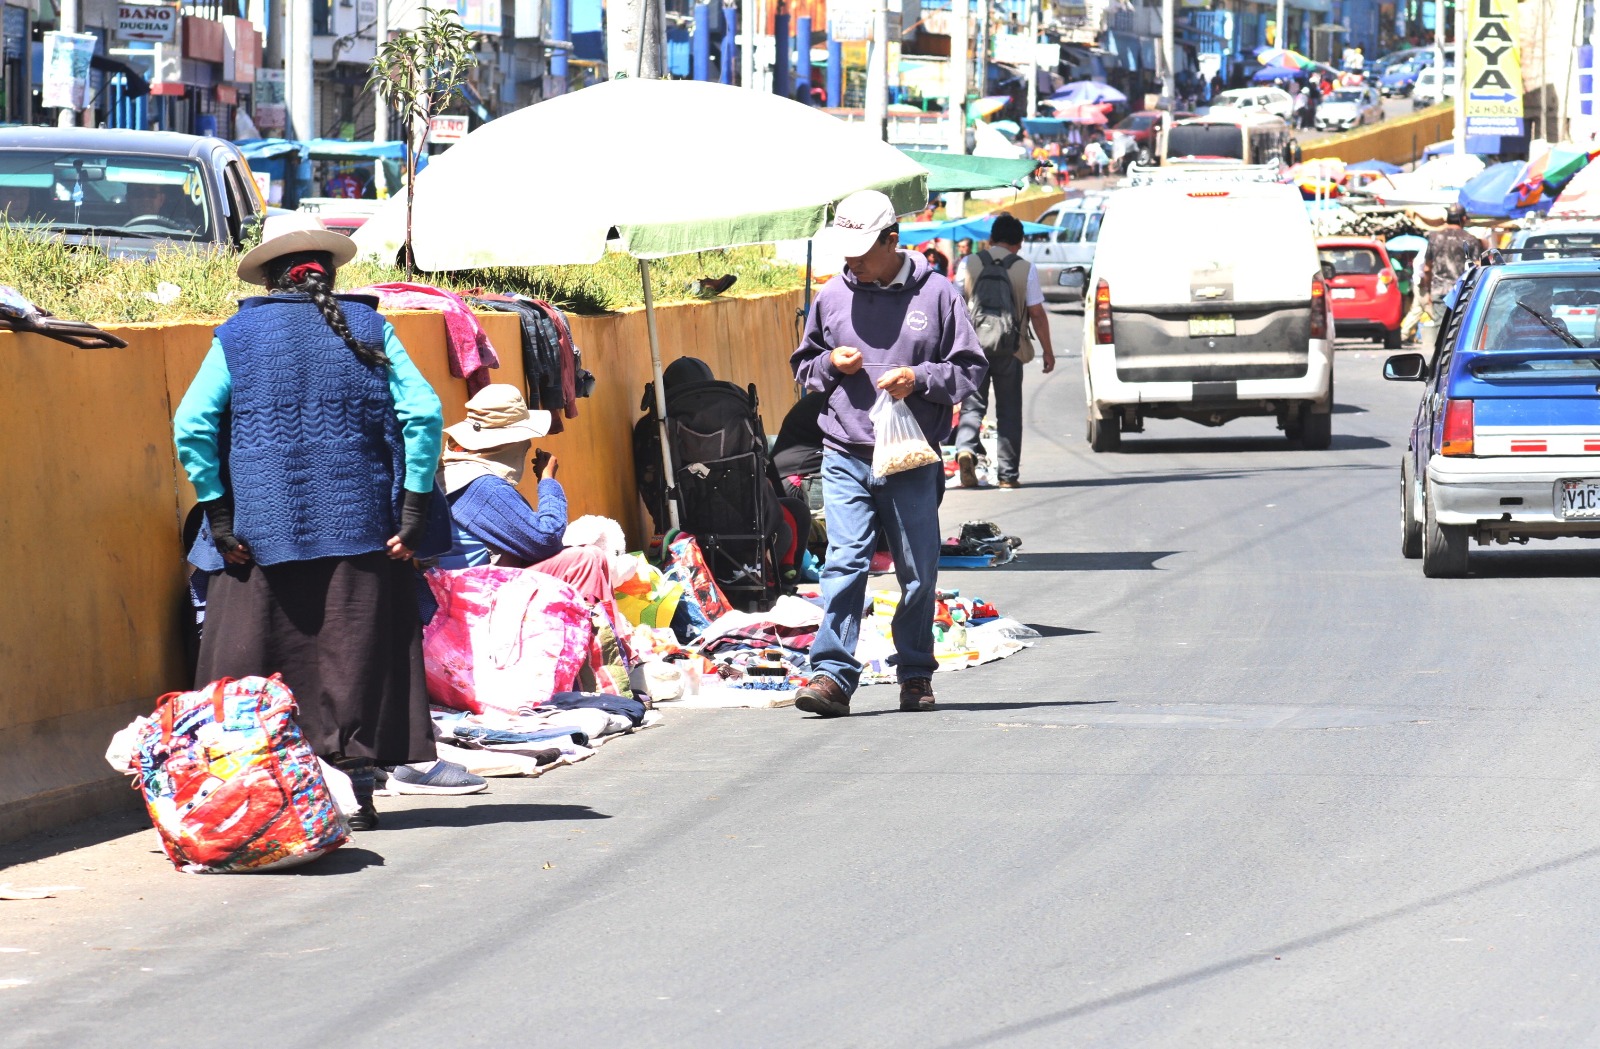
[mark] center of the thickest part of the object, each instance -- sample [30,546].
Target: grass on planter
[82,284]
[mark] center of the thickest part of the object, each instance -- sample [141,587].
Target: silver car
[1350,107]
[1065,255]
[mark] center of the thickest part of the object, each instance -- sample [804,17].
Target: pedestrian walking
[993,279]
[1451,249]
[887,323]
[312,440]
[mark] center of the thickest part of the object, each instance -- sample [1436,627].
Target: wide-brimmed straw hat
[290,233]
[497,415]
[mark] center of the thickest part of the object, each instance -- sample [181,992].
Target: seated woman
[492,523]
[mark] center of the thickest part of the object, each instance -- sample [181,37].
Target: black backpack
[993,306]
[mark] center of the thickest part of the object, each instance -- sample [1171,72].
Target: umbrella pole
[661,393]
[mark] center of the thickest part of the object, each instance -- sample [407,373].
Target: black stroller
[724,485]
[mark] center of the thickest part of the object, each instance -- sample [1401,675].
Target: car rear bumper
[1217,392]
[1517,497]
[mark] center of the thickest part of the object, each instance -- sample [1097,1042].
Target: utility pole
[299,83]
[1438,48]
[1278,33]
[380,108]
[1169,75]
[1544,73]
[955,203]
[67,22]
[1033,57]
[747,49]
[1459,28]
[877,102]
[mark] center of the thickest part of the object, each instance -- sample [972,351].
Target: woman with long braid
[311,440]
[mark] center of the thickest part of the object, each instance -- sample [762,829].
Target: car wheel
[1410,527]
[1105,435]
[1316,429]
[1391,339]
[1444,547]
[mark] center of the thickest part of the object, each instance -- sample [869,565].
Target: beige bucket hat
[287,234]
[497,415]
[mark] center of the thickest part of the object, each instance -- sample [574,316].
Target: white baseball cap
[857,221]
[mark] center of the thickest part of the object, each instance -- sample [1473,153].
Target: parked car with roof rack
[1555,239]
[1065,255]
[128,193]
[1505,443]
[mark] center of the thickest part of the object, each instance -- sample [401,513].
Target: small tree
[417,73]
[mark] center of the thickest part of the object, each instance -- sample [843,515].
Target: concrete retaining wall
[1398,141]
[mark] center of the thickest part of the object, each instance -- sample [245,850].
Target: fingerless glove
[414,518]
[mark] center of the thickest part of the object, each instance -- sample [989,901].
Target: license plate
[1344,293]
[1204,324]
[1579,498]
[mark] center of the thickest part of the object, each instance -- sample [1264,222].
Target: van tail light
[1102,314]
[1319,309]
[1457,438]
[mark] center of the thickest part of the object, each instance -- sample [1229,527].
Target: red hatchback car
[1362,289]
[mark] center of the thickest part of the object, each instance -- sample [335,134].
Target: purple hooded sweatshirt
[922,324]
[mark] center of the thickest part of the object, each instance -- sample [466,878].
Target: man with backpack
[1003,297]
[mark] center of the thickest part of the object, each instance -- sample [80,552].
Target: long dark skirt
[344,633]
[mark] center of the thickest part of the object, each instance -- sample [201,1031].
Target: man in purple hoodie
[887,323]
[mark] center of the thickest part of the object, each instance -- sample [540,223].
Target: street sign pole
[1463,84]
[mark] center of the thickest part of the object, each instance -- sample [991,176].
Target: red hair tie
[298,273]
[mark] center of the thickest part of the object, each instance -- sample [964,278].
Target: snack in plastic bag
[900,445]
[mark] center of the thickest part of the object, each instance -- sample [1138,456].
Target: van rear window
[1206,140]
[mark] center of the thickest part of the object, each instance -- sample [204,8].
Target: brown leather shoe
[967,464]
[916,694]
[823,697]
[1010,484]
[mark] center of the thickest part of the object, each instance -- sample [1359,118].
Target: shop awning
[959,173]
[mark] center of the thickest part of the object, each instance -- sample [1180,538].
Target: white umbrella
[662,166]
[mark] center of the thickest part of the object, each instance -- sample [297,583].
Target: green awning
[958,173]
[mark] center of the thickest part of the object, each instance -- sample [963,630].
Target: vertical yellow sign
[1493,74]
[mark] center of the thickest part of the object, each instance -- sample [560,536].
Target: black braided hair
[319,287]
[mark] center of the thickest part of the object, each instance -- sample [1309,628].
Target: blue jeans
[906,507]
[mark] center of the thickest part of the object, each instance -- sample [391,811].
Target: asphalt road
[1393,108]
[1261,784]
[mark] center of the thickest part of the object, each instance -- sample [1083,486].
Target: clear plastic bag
[899,443]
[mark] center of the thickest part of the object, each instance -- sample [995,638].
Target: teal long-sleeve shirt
[199,419]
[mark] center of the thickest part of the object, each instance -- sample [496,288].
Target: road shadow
[1057,631]
[80,834]
[988,707]
[1121,480]
[1349,409]
[1135,445]
[1087,561]
[480,815]
[348,860]
[1516,563]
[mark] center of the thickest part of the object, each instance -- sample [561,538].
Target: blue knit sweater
[491,516]
[311,447]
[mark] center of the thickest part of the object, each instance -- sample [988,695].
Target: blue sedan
[1505,445]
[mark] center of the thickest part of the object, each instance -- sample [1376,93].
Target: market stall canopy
[1270,73]
[1554,168]
[1439,181]
[1082,91]
[1009,127]
[958,173]
[1581,196]
[1077,112]
[1406,242]
[1382,167]
[1495,194]
[987,106]
[267,148]
[642,161]
[977,228]
[1282,56]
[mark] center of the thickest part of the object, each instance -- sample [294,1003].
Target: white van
[1431,88]
[1206,302]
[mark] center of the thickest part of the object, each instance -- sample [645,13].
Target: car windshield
[1556,245]
[1206,140]
[1531,313]
[115,195]
[1346,96]
[1137,123]
[1352,261]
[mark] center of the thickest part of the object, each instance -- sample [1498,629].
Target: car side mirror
[1074,279]
[1406,367]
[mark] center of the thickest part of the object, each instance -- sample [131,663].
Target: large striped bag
[230,783]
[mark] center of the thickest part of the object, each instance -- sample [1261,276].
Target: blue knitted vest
[313,452]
